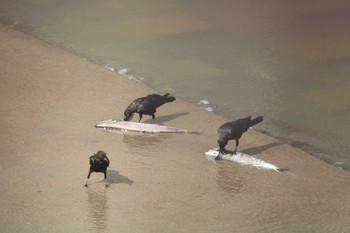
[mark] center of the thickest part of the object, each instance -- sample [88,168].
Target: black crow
[98,163]
[146,105]
[234,130]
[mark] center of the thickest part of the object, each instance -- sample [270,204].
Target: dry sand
[50,101]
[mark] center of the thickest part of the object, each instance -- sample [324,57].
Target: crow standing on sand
[146,105]
[98,163]
[234,130]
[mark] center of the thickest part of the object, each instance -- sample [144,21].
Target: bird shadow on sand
[259,149]
[114,177]
[166,118]
[256,150]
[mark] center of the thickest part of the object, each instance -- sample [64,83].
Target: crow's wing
[145,105]
[105,161]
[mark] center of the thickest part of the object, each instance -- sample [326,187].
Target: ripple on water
[97,204]
[142,144]
[229,178]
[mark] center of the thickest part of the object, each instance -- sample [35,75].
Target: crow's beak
[128,118]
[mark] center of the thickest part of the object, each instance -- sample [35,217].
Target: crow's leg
[88,177]
[153,116]
[237,143]
[90,171]
[140,116]
[107,184]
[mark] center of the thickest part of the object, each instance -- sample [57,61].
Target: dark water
[286,60]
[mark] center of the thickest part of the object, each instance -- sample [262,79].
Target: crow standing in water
[146,105]
[98,163]
[234,130]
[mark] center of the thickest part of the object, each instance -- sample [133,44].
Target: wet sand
[50,102]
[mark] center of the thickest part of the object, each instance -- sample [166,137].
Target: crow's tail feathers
[256,121]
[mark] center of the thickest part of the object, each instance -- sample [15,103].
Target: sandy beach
[51,100]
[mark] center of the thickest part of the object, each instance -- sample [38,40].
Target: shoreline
[305,146]
[51,100]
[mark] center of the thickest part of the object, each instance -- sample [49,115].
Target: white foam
[123,71]
[109,67]
[209,109]
[205,102]
[131,77]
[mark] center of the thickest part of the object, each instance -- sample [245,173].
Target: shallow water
[284,60]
